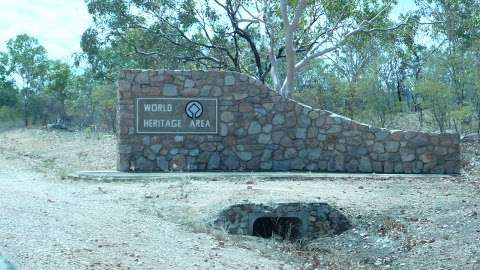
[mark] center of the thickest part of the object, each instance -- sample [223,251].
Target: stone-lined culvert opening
[290,221]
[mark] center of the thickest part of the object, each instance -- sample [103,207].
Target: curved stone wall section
[258,130]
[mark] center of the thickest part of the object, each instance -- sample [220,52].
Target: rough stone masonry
[227,121]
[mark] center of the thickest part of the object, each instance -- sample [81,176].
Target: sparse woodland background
[419,70]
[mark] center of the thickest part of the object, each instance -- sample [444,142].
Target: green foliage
[8,114]
[58,78]
[106,101]
[436,96]
[28,62]
[8,94]
[57,87]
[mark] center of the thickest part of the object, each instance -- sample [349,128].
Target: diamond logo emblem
[194,109]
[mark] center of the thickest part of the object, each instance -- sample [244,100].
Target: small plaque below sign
[176,115]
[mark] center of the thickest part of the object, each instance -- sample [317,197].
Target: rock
[232,163]
[142,77]
[377,167]
[312,132]
[441,150]
[149,154]
[381,134]
[407,154]
[143,164]
[240,132]
[267,165]
[340,147]
[281,165]
[124,149]
[223,129]
[387,167]
[396,135]
[315,154]
[298,164]
[267,155]
[245,156]
[267,128]
[191,92]
[194,152]
[245,107]
[301,133]
[146,140]
[420,140]
[189,83]
[213,161]
[216,91]
[427,157]
[360,151]
[304,121]
[209,147]
[254,128]
[278,135]
[178,163]
[170,90]
[156,148]
[313,115]
[365,165]
[239,96]
[227,117]
[334,129]
[290,153]
[392,146]
[320,121]
[452,167]
[264,138]
[352,166]
[278,119]
[162,163]
[378,148]
[229,80]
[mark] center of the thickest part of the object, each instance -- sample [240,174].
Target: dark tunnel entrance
[289,228]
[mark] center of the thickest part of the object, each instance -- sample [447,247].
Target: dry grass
[60,153]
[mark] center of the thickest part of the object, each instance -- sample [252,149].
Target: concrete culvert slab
[289,221]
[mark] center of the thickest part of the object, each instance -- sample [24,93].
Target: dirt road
[47,222]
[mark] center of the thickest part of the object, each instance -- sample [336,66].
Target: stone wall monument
[227,121]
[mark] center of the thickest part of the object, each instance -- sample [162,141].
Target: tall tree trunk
[25,108]
[290,57]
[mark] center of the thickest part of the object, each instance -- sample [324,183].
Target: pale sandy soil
[47,222]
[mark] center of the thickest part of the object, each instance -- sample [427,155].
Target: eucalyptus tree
[454,30]
[28,64]
[270,40]
[58,79]
[8,92]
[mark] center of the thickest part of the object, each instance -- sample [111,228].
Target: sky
[59,24]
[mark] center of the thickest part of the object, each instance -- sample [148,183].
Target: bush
[9,114]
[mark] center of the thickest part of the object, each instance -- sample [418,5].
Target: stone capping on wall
[259,130]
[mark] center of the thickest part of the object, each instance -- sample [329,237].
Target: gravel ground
[49,222]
